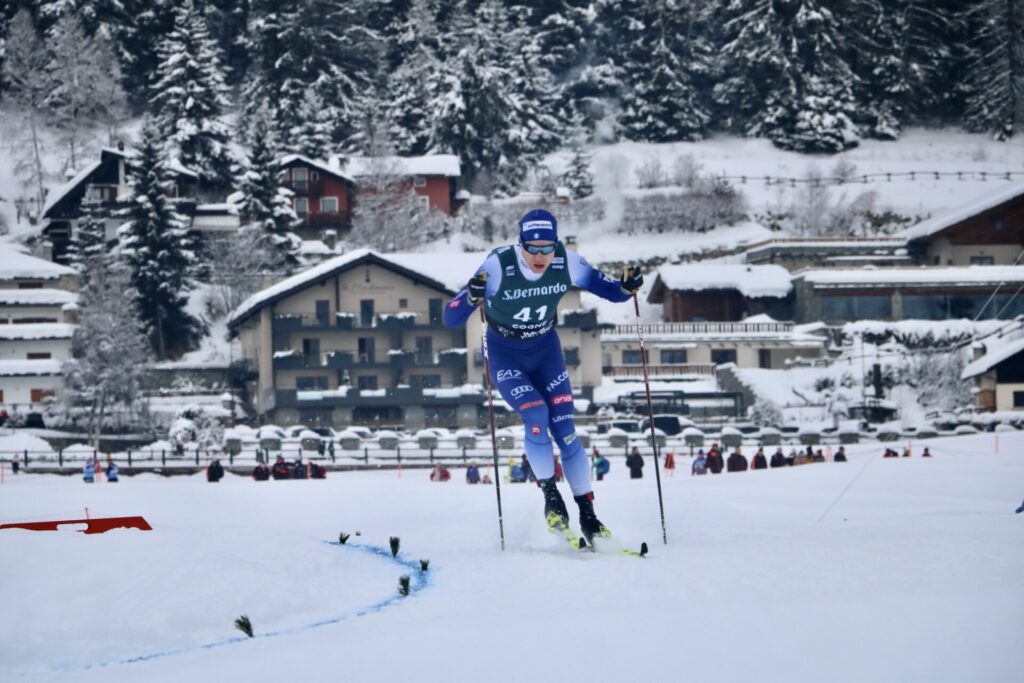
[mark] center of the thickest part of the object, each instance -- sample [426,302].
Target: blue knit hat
[538,226]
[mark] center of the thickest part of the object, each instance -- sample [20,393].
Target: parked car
[670,424]
[626,425]
[35,421]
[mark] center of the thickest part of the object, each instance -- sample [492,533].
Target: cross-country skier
[521,286]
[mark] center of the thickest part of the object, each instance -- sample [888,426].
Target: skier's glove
[477,287]
[632,279]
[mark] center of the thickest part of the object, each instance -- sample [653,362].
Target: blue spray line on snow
[418,580]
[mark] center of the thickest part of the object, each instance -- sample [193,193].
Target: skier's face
[538,262]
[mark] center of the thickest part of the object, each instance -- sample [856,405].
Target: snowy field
[886,570]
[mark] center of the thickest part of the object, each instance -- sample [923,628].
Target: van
[626,425]
[670,424]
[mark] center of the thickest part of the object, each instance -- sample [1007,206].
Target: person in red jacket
[670,463]
[759,462]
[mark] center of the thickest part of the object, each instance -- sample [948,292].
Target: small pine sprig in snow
[403,586]
[243,624]
[424,564]
[395,542]
[342,537]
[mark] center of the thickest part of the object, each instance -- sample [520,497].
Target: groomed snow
[881,570]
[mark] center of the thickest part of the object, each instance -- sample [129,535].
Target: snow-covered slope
[883,570]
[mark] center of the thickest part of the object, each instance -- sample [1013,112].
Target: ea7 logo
[510,271]
[509,374]
[569,439]
[561,398]
[558,380]
[520,390]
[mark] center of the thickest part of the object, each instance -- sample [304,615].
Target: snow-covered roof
[432,164]
[36,297]
[452,269]
[417,263]
[997,352]
[53,198]
[37,331]
[1002,194]
[750,281]
[964,276]
[25,368]
[317,164]
[15,264]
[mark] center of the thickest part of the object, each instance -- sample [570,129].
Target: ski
[558,527]
[618,547]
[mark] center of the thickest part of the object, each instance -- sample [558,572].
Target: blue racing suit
[526,363]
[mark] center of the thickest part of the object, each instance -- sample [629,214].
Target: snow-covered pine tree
[109,348]
[190,96]
[28,85]
[87,252]
[86,85]
[409,85]
[784,76]
[158,251]
[265,207]
[995,77]
[313,133]
[660,101]
[578,177]
[137,28]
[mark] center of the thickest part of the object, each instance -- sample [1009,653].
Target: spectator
[472,474]
[3,416]
[809,453]
[700,465]
[759,462]
[112,473]
[317,471]
[440,473]
[15,465]
[486,479]
[736,462]
[330,449]
[299,469]
[889,453]
[214,472]
[321,448]
[280,469]
[261,472]
[906,452]
[840,455]
[818,457]
[670,463]
[89,471]
[635,463]
[601,465]
[791,458]
[778,458]
[715,461]
[926,453]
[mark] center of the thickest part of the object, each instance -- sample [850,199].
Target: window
[311,350]
[720,356]
[424,349]
[314,175]
[37,395]
[764,358]
[948,307]
[366,382]
[315,416]
[323,312]
[673,356]
[632,357]
[419,181]
[311,383]
[1018,399]
[366,350]
[38,355]
[435,310]
[856,307]
[30,285]
[403,303]
[366,312]
[328,205]
[301,206]
[982,260]
[425,381]
[299,181]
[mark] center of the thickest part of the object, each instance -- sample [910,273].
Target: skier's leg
[514,385]
[557,392]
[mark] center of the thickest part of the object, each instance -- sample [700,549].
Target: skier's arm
[459,308]
[594,281]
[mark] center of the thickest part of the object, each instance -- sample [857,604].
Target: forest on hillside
[500,84]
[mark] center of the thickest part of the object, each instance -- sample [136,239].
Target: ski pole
[650,417]
[490,410]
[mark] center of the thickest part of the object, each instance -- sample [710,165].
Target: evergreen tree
[995,78]
[312,133]
[137,29]
[87,252]
[409,85]
[158,252]
[660,100]
[784,75]
[265,207]
[189,95]
[578,177]
[86,84]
